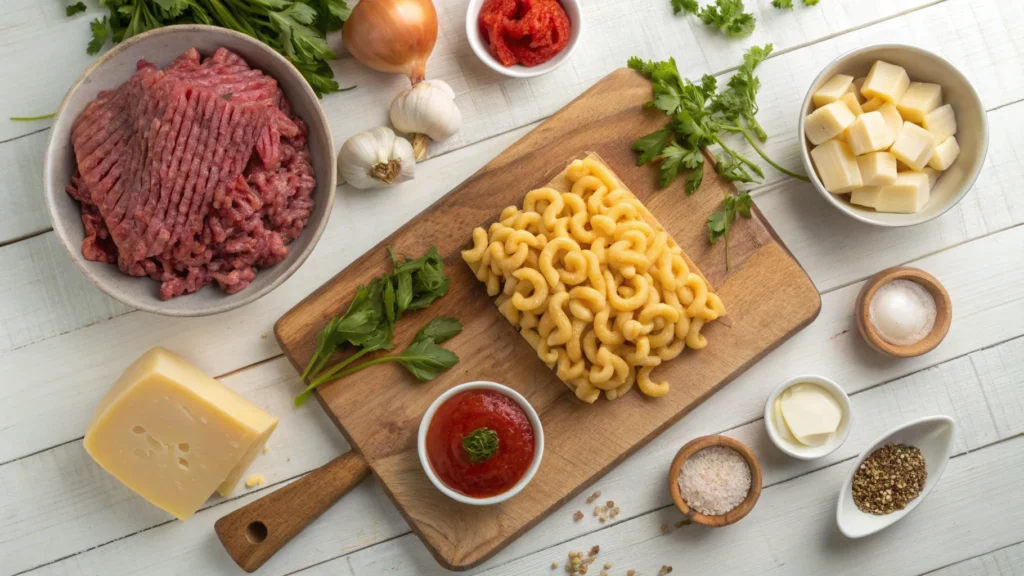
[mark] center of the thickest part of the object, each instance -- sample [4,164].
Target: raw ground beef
[193,174]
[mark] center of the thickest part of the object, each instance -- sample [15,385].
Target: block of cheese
[941,122]
[892,118]
[877,169]
[868,133]
[914,146]
[919,99]
[852,102]
[908,195]
[872,105]
[866,196]
[832,90]
[886,81]
[945,154]
[837,167]
[933,176]
[173,434]
[827,122]
[857,83]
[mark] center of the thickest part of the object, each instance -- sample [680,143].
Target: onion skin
[395,36]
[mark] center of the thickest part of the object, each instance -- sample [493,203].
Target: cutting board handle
[256,531]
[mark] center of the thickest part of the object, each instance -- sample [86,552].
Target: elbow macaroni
[594,284]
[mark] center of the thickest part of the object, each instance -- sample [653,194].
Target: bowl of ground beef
[190,171]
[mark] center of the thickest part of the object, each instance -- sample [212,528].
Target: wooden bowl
[943,312]
[737,513]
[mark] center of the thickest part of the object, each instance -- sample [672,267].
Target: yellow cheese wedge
[877,169]
[827,122]
[866,196]
[832,90]
[945,154]
[173,434]
[886,81]
[812,414]
[872,105]
[868,133]
[852,102]
[908,195]
[914,146]
[837,167]
[941,122]
[919,99]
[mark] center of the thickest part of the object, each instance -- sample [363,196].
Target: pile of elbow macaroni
[594,284]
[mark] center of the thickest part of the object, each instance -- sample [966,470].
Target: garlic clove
[375,159]
[427,108]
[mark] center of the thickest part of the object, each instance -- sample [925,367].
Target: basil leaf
[439,329]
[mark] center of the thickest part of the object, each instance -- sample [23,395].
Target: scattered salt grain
[714,480]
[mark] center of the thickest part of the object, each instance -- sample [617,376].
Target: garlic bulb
[375,159]
[426,109]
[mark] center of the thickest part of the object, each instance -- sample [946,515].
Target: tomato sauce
[527,32]
[457,418]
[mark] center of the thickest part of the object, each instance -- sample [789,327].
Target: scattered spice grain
[594,496]
[889,479]
[577,516]
[554,565]
[665,528]
[664,570]
[714,480]
[630,572]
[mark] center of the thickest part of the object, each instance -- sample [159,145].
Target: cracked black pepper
[889,479]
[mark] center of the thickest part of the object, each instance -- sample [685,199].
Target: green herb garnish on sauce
[480,444]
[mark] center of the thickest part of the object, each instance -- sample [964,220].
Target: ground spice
[889,479]
[714,480]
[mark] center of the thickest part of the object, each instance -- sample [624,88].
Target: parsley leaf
[684,6]
[782,4]
[650,146]
[725,15]
[811,2]
[75,8]
[99,35]
[439,329]
[720,222]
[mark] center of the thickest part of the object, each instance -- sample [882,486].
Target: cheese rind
[941,122]
[827,122]
[868,133]
[173,434]
[886,81]
[832,90]
[837,167]
[908,195]
[877,169]
[945,154]
[914,146]
[919,99]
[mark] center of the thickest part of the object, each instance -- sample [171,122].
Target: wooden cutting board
[767,295]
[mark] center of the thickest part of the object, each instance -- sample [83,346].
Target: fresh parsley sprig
[75,8]
[727,16]
[480,445]
[788,4]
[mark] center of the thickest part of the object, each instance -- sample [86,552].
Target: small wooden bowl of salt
[903,312]
[715,480]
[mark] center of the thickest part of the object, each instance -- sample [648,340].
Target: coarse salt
[902,311]
[714,480]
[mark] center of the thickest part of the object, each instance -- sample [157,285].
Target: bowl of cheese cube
[893,135]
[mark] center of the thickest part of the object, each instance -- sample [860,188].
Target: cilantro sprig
[295,28]
[727,16]
[699,116]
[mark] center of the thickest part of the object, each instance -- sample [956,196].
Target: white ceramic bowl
[957,90]
[161,46]
[933,435]
[538,443]
[478,41]
[809,452]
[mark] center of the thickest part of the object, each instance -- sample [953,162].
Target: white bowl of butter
[808,416]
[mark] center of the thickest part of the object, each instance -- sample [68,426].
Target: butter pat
[877,169]
[886,81]
[941,122]
[832,90]
[174,435]
[919,99]
[914,146]
[837,167]
[866,196]
[811,413]
[868,133]
[908,195]
[945,154]
[827,122]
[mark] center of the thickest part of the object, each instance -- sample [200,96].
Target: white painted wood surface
[62,342]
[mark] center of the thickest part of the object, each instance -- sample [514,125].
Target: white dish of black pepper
[893,475]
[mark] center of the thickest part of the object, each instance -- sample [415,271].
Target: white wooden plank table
[63,342]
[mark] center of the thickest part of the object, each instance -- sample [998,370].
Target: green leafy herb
[295,28]
[75,8]
[32,118]
[726,15]
[480,445]
[700,115]
[721,221]
[440,329]
[788,4]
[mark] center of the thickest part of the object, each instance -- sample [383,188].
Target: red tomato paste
[461,415]
[527,32]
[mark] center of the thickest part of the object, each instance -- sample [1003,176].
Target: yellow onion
[392,35]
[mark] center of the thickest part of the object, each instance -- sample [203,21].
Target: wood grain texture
[379,411]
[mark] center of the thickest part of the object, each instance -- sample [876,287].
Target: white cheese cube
[866,196]
[857,83]
[851,101]
[908,195]
[941,122]
[933,176]
[901,167]
[868,133]
[832,90]
[855,90]
[892,118]
[919,99]
[914,146]
[877,169]
[827,122]
[945,154]
[872,105]
[837,167]
[885,81]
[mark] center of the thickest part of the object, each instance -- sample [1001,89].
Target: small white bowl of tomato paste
[480,443]
[495,32]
